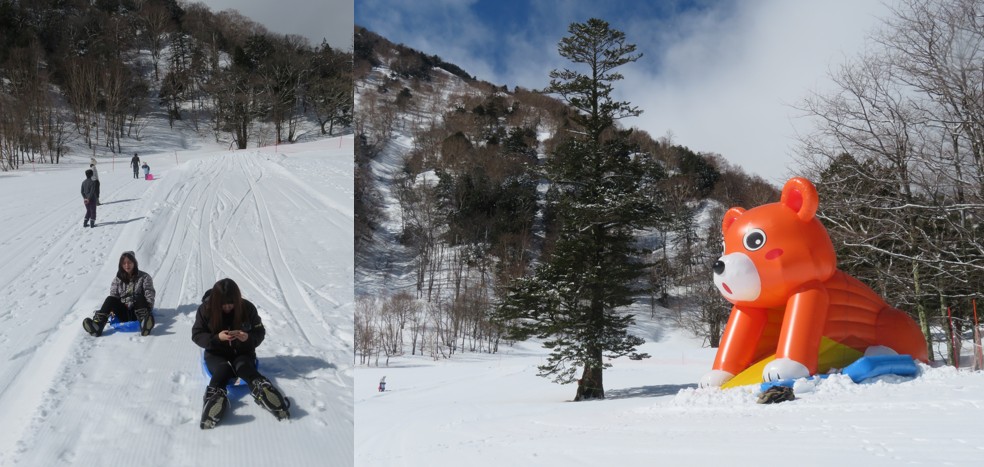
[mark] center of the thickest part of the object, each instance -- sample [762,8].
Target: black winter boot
[85,223]
[269,398]
[93,224]
[94,326]
[146,318]
[213,407]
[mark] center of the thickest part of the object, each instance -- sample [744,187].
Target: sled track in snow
[42,336]
[68,398]
[187,201]
[282,275]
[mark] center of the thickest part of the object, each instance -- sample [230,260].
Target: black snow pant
[115,306]
[224,369]
[90,209]
[97,195]
[136,172]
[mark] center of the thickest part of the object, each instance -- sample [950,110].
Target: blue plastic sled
[864,368]
[869,367]
[125,326]
[235,383]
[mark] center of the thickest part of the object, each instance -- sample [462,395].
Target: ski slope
[278,221]
[492,410]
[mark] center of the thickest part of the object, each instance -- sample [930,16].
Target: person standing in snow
[146,169]
[229,329]
[135,163]
[95,178]
[131,297]
[89,199]
[382,384]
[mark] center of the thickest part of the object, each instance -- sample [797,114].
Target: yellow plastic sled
[832,355]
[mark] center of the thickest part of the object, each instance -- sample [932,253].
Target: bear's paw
[714,379]
[784,368]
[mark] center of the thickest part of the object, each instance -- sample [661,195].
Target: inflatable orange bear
[780,272]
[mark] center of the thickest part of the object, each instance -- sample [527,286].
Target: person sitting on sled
[229,328]
[131,297]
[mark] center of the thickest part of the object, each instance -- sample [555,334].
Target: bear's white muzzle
[737,278]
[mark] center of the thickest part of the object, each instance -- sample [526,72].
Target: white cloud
[721,77]
[729,86]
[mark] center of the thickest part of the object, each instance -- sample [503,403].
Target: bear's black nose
[718,267]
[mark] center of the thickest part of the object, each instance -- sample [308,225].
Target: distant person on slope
[146,169]
[89,199]
[135,163]
[95,178]
[131,297]
[228,327]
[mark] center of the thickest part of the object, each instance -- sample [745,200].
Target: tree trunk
[715,334]
[241,133]
[950,332]
[921,310]
[591,386]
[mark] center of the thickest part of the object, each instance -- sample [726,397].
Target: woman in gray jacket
[131,297]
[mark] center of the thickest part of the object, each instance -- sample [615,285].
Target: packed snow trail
[279,225]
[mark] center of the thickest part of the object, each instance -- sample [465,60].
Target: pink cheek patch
[774,254]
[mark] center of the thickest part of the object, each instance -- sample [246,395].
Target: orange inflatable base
[832,355]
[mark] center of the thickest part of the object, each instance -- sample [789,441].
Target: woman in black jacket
[229,329]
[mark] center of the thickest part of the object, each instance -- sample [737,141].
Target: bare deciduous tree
[899,155]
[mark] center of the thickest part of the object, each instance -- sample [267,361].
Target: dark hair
[88,173]
[225,291]
[121,273]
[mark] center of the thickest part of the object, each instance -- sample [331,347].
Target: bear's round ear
[730,217]
[800,195]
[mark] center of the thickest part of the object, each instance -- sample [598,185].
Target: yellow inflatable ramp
[832,355]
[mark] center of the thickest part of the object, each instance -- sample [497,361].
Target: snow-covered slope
[385,266]
[278,222]
[492,410]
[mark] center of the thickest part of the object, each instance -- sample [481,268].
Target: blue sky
[717,76]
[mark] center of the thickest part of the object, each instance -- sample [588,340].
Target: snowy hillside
[386,266]
[492,410]
[483,409]
[278,222]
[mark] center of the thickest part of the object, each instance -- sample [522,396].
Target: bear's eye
[754,239]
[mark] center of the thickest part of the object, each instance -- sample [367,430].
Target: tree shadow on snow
[103,224]
[648,391]
[119,201]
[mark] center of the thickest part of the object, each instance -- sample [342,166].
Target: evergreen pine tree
[572,298]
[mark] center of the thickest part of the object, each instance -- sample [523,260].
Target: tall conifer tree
[572,297]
